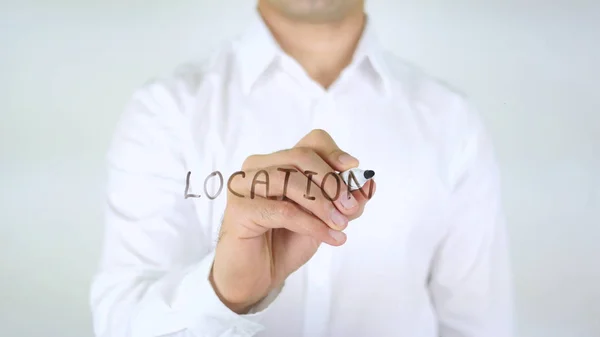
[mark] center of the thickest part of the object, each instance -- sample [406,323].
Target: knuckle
[250,161]
[319,133]
[320,136]
[303,152]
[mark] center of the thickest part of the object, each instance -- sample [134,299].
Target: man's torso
[377,281]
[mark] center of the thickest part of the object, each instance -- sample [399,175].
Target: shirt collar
[370,52]
[258,50]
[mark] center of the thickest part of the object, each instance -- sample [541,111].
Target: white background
[68,66]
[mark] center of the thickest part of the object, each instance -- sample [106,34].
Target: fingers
[311,164]
[265,214]
[366,192]
[306,175]
[363,195]
[321,142]
[276,182]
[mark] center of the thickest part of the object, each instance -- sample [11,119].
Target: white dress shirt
[427,258]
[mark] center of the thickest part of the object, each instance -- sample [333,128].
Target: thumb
[323,144]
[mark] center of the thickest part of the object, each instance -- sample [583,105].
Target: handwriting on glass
[262,178]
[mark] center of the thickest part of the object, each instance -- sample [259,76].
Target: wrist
[240,307]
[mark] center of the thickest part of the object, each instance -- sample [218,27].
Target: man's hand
[266,238]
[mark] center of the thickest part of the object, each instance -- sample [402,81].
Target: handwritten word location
[262,178]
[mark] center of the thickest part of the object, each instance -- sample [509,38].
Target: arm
[153,276]
[470,281]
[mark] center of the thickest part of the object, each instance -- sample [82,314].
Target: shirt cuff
[198,300]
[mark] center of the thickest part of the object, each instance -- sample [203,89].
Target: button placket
[318,293]
[319,282]
[322,112]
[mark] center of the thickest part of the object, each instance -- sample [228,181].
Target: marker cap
[355,176]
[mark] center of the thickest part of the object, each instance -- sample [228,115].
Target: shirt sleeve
[157,256]
[470,282]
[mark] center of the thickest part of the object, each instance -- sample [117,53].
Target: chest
[382,135]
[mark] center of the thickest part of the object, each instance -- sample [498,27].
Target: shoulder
[163,105]
[432,98]
[187,81]
[426,92]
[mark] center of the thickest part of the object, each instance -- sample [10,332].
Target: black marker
[358,176]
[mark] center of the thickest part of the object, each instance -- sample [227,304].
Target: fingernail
[338,218]
[347,159]
[337,236]
[350,202]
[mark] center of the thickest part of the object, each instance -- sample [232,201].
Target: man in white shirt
[198,243]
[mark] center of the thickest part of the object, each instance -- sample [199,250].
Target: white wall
[67,68]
